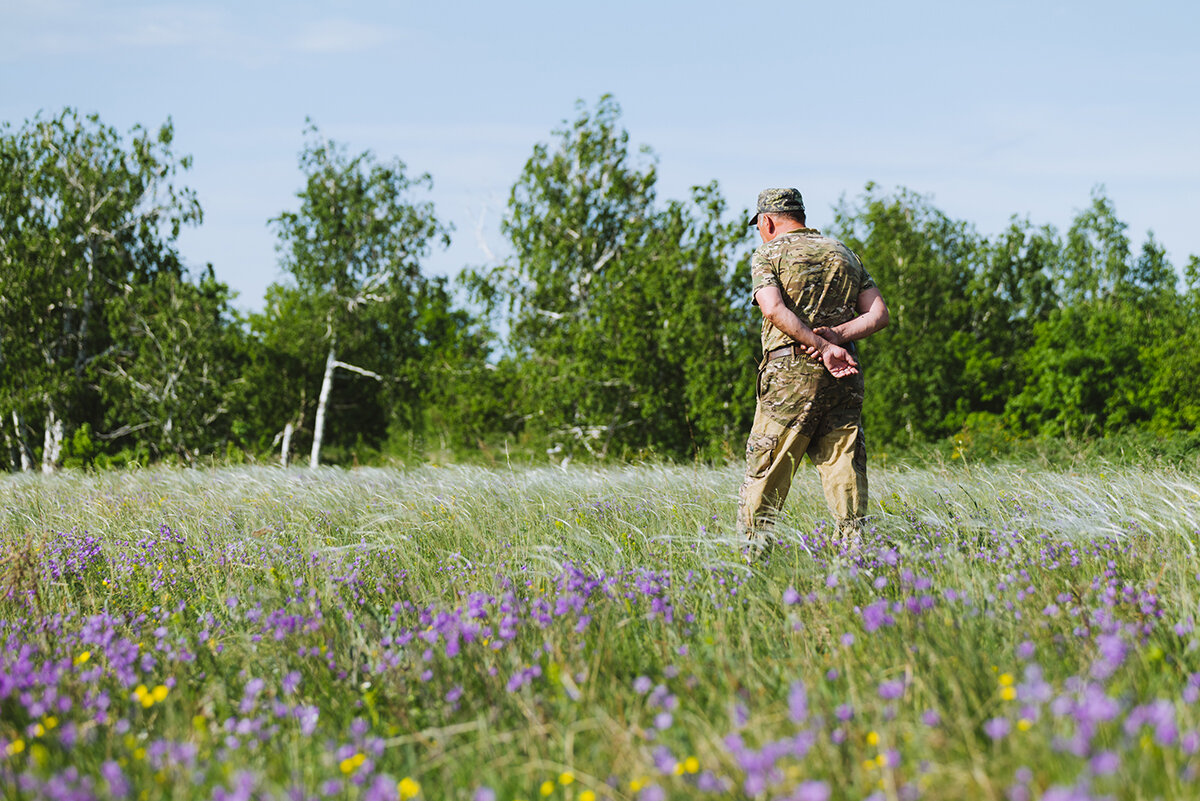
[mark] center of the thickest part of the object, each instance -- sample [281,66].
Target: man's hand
[838,361]
[835,358]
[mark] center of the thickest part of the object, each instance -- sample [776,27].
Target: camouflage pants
[802,409]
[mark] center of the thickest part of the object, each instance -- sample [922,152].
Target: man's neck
[791,229]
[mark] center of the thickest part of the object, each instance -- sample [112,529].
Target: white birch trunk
[322,402]
[286,448]
[52,442]
[22,446]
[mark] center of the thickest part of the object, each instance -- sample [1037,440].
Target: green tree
[171,380]
[1011,291]
[87,214]
[1173,391]
[698,286]
[924,264]
[621,316]
[355,242]
[281,369]
[1094,363]
[576,219]
[18,316]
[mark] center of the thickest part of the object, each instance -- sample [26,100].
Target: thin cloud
[65,28]
[338,36]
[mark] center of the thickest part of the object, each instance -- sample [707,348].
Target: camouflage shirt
[819,277]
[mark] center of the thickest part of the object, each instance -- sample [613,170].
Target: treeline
[620,326]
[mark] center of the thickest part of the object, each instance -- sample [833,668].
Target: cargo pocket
[760,450]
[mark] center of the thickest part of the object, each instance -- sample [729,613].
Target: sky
[990,110]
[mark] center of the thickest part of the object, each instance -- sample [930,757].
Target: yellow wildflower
[872,738]
[1008,693]
[408,788]
[547,788]
[1024,724]
[159,693]
[15,747]
[83,657]
[691,765]
[1006,679]
[351,763]
[566,778]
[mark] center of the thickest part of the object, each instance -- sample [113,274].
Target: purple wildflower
[997,728]
[797,702]
[1105,763]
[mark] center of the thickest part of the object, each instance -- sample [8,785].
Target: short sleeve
[763,273]
[867,281]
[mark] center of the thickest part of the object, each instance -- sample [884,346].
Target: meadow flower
[875,616]
[408,788]
[797,702]
[653,793]
[352,763]
[997,728]
[1105,763]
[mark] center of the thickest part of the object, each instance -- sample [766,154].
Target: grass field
[455,633]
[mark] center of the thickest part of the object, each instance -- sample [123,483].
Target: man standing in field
[815,297]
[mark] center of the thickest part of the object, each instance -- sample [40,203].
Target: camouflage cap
[773,200]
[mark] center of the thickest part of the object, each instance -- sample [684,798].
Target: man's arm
[833,356]
[872,316]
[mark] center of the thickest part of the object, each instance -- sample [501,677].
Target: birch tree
[630,322]
[89,215]
[16,312]
[356,241]
[171,379]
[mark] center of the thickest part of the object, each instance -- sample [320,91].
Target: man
[815,297]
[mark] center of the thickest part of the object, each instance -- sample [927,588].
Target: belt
[786,350]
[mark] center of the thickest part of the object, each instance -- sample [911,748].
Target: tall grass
[585,633]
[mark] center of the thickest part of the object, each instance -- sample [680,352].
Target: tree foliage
[621,314]
[87,214]
[619,325]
